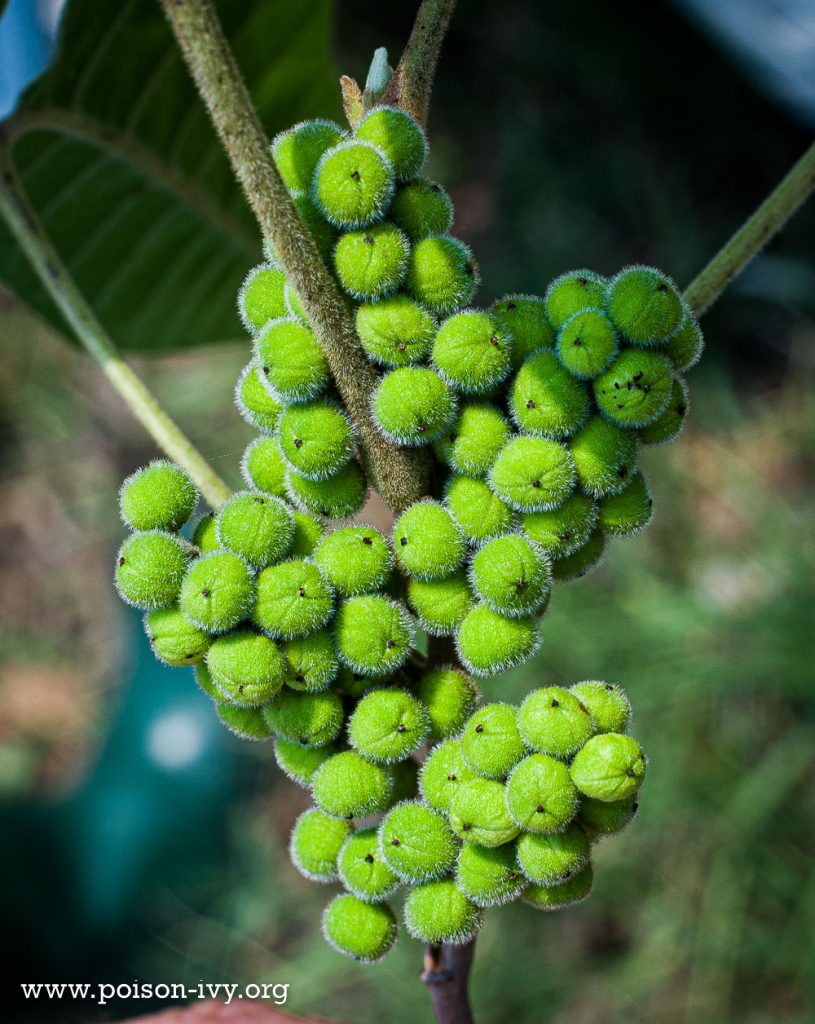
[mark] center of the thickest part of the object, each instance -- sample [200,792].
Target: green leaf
[125,171]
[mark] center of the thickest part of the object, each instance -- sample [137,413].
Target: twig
[446,975]
[411,83]
[54,276]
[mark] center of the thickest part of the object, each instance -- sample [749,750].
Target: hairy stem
[410,86]
[753,235]
[53,274]
[446,975]
[398,474]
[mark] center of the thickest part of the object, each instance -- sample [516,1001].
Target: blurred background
[141,841]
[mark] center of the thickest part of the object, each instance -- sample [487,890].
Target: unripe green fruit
[405,775]
[668,426]
[533,474]
[247,667]
[546,400]
[553,858]
[416,842]
[512,575]
[372,262]
[524,318]
[323,233]
[356,559]
[442,273]
[555,897]
[421,208]
[316,841]
[479,512]
[439,912]
[440,605]
[256,526]
[572,292]
[387,725]
[311,661]
[297,151]
[255,402]
[218,592]
[413,405]
[294,305]
[363,931]
[245,723]
[150,568]
[491,743]
[427,541]
[472,351]
[291,361]
[395,331]
[353,184]
[644,305]
[261,297]
[582,561]
[174,639]
[307,534]
[300,763]
[609,767]
[362,868]
[564,529]
[599,818]
[398,136]
[161,496]
[685,345]
[541,797]
[348,786]
[293,599]
[608,705]
[205,536]
[443,772]
[373,634]
[554,721]
[488,876]
[316,439]
[263,467]
[311,719]
[478,813]
[489,644]
[337,497]
[476,436]
[629,512]
[604,456]
[205,682]
[449,696]
[587,343]
[635,389]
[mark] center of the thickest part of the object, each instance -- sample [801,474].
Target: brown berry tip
[394,841]
[479,728]
[369,858]
[298,442]
[403,541]
[629,772]
[205,592]
[401,727]
[555,703]
[390,644]
[369,240]
[531,403]
[367,540]
[451,778]
[539,809]
[355,175]
[301,592]
[466,828]
[536,483]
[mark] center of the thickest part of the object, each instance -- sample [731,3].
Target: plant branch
[446,975]
[54,276]
[410,86]
[753,235]
[398,474]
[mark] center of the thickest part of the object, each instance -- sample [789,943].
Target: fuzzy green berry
[478,813]
[546,400]
[263,467]
[524,318]
[356,559]
[161,496]
[174,639]
[256,526]
[293,599]
[479,512]
[348,786]
[440,605]
[587,343]
[472,351]
[416,842]
[541,797]
[449,696]
[353,184]
[421,208]
[371,262]
[609,767]
[439,912]
[554,897]
[644,305]
[668,426]
[316,841]
[427,542]
[255,402]
[564,529]
[373,634]
[316,439]
[489,643]
[600,818]
[491,743]
[337,497]
[583,560]
[553,858]
[300,763]
[245,723]
[635,389]
[218,592]
[362,868]
[307,534]
[442,273]
[395,331]
[247,668]
[311,661]
[476,436]
[387,725]
[206,683]
[398,136]
[554,721]
[363,931]
[311,719]
[629,512]
[204,535]
[604,456]
[608,705]
[294,304]
[297,151]
[489,876]
[572,292]
[443,772]
[261,297]
[684,347]
[150,568]
[324,236]
[533,474]
[405,776]
[512,575]
[291,361]
[412,405]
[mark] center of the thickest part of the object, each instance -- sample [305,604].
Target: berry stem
[446,975]
[411,83]
[398,474]
[753,235]
[55,278]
